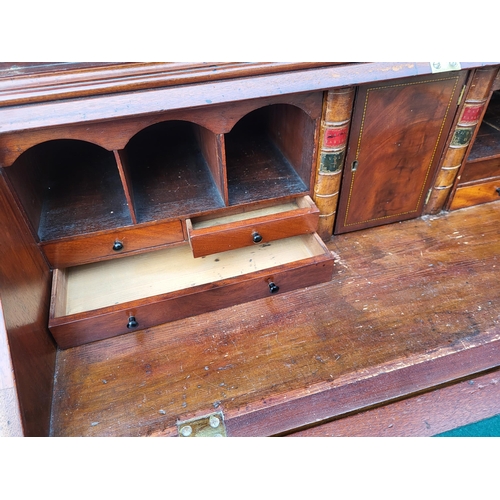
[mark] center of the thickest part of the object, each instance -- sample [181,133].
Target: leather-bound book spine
[336,118]
[471,114]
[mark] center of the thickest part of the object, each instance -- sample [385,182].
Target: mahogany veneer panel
[410,306]
[398,132]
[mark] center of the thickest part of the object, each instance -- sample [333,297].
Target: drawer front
[250,228]
[478,170]
[88,326]
[476,194]
[82,250]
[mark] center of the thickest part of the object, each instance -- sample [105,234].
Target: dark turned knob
[117,246]
[273,288]
[257,238]
[132,323]
[498,191]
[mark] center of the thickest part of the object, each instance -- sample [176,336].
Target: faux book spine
[336,119]
[471,114]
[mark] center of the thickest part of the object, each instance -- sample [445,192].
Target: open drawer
[109,298]
[110,244]
[476,193]
[252,226]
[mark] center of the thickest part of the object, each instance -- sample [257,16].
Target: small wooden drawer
[105,299]
[475,194]
[479,170]
[256,226]
[110,244]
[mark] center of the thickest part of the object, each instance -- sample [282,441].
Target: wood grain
[169,285]
[69,188]
[22,83]
[287,220]
[115,134]
[25,294]
[117,106]
[427,414]
[411,305]
[169,174]
[260,167]
[99,246]
[476,193]
[485,144]
[399,131]
[478,170]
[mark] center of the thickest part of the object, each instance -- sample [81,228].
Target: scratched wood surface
[427,414]
[410,306]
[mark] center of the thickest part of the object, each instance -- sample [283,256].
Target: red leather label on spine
[471,113]
[335,137]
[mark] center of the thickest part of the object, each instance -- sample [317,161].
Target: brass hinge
[441,67]
[428,196]
[461,95]
[211,425]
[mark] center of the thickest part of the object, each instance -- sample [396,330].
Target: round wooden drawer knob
[132,323]
[257,238]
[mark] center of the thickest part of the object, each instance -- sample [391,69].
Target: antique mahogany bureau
[182,241]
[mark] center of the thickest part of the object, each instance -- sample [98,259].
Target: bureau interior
[94,286]
[69,187]
[479,178]
[485,152]
[269,154]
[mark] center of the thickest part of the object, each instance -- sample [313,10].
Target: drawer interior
[201,223]
[94,286]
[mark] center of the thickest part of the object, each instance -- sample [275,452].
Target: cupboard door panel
[399,130]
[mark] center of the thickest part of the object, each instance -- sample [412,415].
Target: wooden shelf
[269,155]
[487,143]
[169,173]
[69,188]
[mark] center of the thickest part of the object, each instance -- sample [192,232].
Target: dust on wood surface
[402,294]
